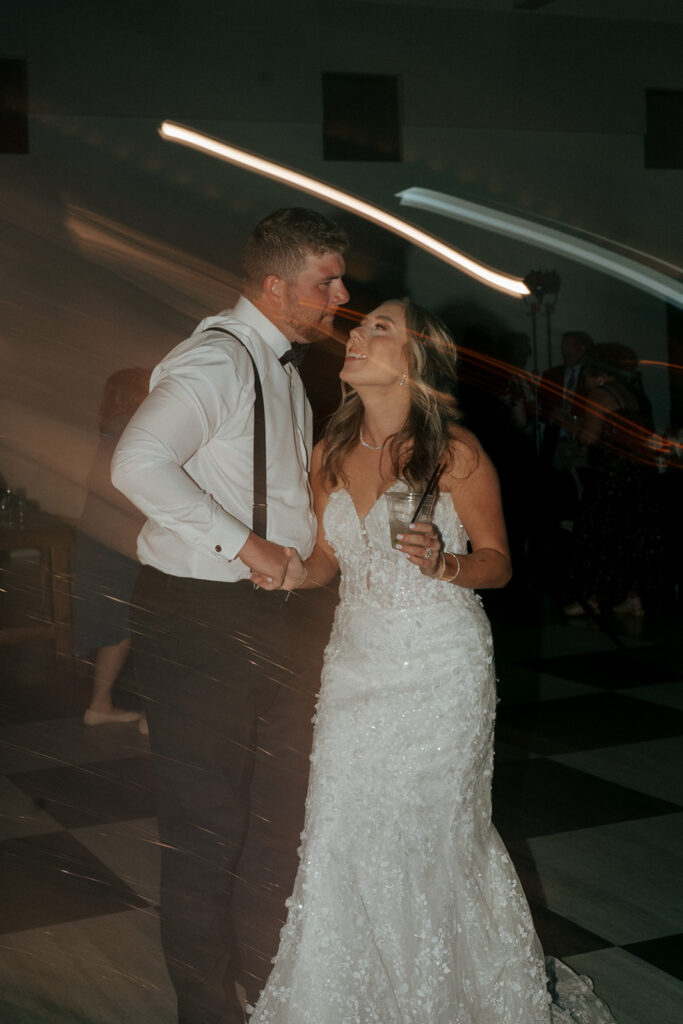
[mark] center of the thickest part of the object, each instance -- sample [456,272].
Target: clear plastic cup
[402,507]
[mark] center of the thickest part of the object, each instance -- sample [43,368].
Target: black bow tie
[294,355]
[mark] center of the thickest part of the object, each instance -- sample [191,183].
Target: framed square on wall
[664,132]
[361,117]
[13,105]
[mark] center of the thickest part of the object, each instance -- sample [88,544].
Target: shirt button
[218,548]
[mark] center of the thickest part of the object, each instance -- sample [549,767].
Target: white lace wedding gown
[406,907]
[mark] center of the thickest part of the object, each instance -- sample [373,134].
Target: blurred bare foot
[116,716]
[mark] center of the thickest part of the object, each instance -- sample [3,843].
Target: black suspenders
[260,503]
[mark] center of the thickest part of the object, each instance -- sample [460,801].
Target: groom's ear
[274,290]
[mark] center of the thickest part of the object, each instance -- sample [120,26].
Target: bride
[406,907]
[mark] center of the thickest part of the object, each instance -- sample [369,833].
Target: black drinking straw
[428,488]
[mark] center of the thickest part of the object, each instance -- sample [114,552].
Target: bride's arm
[322,566]
[473,485]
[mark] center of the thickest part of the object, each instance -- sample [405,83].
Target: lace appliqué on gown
[406,907]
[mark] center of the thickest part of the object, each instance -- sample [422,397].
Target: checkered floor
[588,797]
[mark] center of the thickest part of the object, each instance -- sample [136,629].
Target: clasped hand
[422,545]
[294,573]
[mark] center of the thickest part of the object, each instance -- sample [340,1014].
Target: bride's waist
[368,634]
[383,600]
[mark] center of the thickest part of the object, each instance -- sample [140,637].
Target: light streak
[658,362]
[206,144]
[666,288]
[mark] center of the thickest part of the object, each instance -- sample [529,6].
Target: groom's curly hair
[280,243]
[425,440]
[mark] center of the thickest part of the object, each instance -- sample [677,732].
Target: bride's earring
[404,379]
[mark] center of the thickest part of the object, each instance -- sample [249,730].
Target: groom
[213,654]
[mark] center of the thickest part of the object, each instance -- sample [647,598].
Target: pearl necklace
[370,447]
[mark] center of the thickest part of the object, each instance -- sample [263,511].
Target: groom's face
[312,298]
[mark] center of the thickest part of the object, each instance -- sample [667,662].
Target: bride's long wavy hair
[424,439]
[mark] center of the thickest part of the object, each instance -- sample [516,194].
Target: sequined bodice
[373,573]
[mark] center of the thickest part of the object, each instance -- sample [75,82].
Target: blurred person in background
[104,560]
[617,542]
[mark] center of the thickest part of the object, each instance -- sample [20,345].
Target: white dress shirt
[186,457]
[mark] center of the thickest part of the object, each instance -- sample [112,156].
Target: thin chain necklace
[370,447]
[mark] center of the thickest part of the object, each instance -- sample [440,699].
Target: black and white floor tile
[588,797]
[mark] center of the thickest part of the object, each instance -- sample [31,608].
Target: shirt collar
[247,312]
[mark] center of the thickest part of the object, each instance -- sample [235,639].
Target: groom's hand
[266,560]
[296,573]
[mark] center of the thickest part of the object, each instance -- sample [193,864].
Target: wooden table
[53,539]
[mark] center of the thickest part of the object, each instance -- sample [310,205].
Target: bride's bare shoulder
[465,454]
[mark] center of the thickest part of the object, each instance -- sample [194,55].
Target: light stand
[543,287]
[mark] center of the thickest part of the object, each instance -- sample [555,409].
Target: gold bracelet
[443,566]
[299,583]
[457,571]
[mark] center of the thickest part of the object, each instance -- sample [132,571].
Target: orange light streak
[658,362]
[631,440]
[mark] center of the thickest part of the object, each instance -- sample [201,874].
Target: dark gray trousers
[229,724]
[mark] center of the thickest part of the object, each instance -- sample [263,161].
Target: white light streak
[636,274]
[197,140]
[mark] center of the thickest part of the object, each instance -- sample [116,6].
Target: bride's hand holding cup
[421,543]
[411,529]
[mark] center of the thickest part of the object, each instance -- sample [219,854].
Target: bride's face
[376,352]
